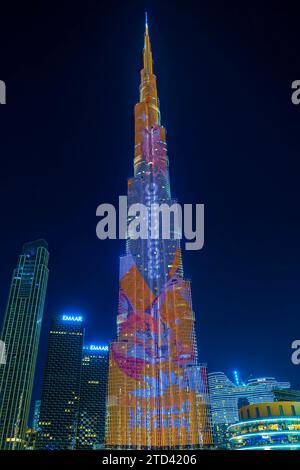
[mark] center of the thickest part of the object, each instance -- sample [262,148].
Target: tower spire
[148,61]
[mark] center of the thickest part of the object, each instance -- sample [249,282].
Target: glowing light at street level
[282,446]
[264,434]
[265,420]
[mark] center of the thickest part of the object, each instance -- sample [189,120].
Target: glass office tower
[153,401]
[59,409]
[21,334]
[93,394]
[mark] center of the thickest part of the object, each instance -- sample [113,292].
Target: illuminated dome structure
[267,426]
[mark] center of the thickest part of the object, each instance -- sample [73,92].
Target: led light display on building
[155,395]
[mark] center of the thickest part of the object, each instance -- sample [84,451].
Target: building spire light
[148,62]
[146,21]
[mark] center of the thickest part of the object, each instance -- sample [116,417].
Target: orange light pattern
[157,395]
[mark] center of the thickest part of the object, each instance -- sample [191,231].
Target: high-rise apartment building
[20,334]
[93,395]
[59,409]
[153,400]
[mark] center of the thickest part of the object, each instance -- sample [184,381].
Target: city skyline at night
[225,98]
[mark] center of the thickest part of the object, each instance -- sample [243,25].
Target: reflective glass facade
[21,333]
[59,409]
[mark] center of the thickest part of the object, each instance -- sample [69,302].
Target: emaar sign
[93,347]
[77,318]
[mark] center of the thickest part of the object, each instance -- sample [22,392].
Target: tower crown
[147,113]
[147,53]
[148,89]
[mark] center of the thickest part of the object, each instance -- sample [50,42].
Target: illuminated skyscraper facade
[21,333]
[93,395]
[154,397]
[59,409]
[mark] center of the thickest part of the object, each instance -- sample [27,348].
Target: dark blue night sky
[224,78]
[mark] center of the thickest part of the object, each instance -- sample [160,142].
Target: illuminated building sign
[98,347]
[74,318]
